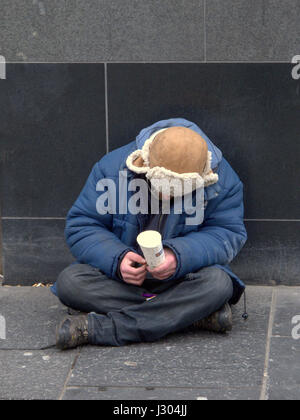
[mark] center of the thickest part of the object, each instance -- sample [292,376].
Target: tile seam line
[63,391]
[64,218]
[32,218]
[204,30]
[281,336]
[271,220]
[106,108]
[154,62]
[211,387]
[264,387]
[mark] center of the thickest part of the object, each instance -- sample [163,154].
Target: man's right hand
[130,274]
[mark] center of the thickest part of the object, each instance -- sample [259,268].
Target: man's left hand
[166,268]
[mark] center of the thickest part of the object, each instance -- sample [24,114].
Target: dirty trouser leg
[87,289]
[194,298]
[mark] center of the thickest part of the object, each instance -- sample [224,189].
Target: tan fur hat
[174,152]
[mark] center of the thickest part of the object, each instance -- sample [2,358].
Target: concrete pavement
[259,359]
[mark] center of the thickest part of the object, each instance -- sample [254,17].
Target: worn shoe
[72,311]
[72,332]
[220,321]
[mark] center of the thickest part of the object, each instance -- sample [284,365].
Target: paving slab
[252,30]
[187,365]
[158,393]
[31,315]
[287,307]
[187,359]
[284,369]
[34,375]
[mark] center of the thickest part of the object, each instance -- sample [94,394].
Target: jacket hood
[179,122]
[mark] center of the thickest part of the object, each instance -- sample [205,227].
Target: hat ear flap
[139,162]
[136,163]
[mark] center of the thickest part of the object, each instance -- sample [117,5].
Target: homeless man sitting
[121,299]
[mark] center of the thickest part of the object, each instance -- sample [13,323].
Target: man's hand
[166,268]
[130,274]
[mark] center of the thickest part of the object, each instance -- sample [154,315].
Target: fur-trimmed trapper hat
[174,152]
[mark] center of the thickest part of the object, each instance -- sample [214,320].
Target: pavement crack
[264,388]
[69,374]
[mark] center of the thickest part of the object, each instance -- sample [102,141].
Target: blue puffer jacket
[101,240]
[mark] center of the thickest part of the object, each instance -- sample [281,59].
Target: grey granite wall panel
[52,130]
[255,30]
[34,251]
[250,111]
[102,30]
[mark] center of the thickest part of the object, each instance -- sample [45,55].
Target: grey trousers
[120,313]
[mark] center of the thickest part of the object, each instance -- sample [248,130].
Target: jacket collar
[212,191]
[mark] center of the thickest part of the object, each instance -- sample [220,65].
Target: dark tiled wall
[251,111]
[53,128]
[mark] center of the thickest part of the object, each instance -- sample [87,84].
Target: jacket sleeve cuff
[167,244]
[116,273]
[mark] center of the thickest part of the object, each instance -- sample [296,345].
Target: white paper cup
[151,246]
